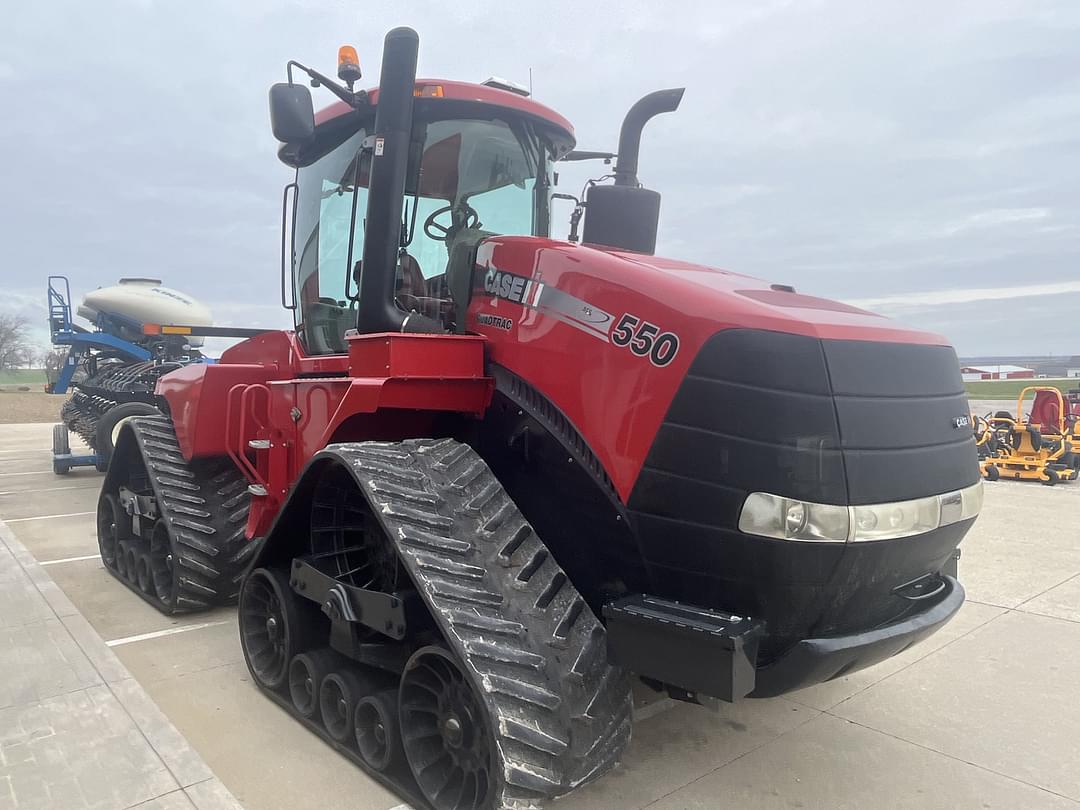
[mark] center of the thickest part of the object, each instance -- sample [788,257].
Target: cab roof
[466,91]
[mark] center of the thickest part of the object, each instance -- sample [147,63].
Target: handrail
[235,439]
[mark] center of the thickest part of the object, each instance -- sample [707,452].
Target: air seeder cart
[139,331]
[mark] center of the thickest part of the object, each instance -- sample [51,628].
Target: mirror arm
[356,100]
[575,215]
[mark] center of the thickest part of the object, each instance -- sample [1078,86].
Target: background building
[996,372]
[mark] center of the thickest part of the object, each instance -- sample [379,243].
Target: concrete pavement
[76,730]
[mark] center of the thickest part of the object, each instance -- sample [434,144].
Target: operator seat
[1046,413]
[410,286]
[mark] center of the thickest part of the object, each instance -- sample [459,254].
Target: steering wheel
[439,232]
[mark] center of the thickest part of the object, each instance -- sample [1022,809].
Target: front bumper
[814,660]
[710,653]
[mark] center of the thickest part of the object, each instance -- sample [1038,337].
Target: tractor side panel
[550,318]
[198,401]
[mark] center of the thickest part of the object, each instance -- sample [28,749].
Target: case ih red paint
[491,475]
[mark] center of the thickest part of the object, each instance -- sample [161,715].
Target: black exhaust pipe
[644,109]
[376,311]
[626,216]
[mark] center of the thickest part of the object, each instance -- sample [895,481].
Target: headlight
[770,515]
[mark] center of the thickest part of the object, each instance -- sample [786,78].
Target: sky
[918,159]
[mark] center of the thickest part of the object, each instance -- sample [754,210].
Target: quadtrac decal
[644,339]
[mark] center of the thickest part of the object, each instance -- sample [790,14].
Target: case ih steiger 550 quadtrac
[491,473]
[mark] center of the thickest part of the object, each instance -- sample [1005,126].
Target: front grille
[827,421]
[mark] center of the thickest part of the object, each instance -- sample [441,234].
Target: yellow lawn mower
[1038,448]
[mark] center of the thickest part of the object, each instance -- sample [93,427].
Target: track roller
[131,565]
[378,734]
[122,549]
[338,695]
[306,673]
[112,526]
[142,571]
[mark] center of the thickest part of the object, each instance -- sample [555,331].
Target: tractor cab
[479,163]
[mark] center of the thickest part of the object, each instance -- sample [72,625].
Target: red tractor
[491,473]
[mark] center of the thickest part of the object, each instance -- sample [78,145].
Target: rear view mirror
[292,118]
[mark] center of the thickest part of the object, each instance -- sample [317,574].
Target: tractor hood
[771,306]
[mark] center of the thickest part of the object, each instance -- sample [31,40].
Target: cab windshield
[469,178]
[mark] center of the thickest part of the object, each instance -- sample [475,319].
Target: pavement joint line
[953,757]
[169,631]
[69,559]
[1043,593]
[46,489]
[47,517]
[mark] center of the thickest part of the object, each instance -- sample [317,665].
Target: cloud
[901,302]
[7,71]
[996,218]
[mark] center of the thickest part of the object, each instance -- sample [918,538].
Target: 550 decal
[645,339]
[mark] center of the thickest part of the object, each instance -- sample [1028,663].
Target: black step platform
[705,652]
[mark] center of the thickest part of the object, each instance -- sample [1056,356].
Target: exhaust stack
[376,311]
[626,216]
[644,110]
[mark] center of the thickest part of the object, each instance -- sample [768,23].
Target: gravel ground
[29,406]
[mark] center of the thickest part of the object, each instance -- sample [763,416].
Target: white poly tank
[146,301]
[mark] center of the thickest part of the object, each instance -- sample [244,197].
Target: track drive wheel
[446,732]
[112,526]
[270,626]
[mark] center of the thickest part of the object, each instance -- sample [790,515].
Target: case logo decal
[644,339]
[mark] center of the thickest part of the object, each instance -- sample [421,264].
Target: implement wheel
[108,428]
[446,733]
[1051,477]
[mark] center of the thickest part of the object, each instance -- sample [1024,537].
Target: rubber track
[533,648]
[114,384]
[205,504]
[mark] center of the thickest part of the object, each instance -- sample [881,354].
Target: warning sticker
[378,146]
